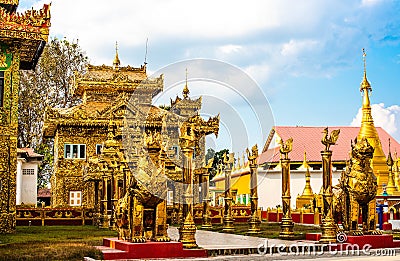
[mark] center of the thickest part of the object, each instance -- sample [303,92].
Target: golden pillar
[287,222]
[254,221]
[22,38]
[104,218]
[205,185]
[228,219]
[328,226]
[191,132]
[187,230]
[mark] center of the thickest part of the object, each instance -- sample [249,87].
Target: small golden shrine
[22,39]
[307,197]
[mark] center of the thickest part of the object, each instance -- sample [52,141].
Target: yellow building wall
[239,184]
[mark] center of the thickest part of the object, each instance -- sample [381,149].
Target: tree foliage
[47,86]
[218,157]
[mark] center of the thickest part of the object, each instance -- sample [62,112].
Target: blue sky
[305,56]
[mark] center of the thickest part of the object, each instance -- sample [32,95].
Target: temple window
[28,172]
[74,151]
[175,151]
[1,88]
[99,147]
[170,198]
[75,198]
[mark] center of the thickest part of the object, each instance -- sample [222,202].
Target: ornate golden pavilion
[22,39]
[121,97]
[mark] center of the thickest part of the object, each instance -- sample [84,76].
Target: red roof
[31,153]
[44,193]
[309,139]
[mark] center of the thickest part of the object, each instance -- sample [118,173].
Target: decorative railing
[55,216]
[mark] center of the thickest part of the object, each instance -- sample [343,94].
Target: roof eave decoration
[9,5]
[30,29]
[9,2]
[117,82]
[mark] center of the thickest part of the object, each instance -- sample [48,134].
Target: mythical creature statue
[330,140]
[141,213]
[253,155]
[286,147]
[357,191]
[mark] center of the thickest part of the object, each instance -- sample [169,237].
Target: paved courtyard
[228,246]
[214,240]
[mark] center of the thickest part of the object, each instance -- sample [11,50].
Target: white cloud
[260,72]
[229,48]
[98,24]
[295,47]
[386,117]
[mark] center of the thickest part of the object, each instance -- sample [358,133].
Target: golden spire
[116,62]
[307,191]
[365,85]
[391,186]
[368,131]
[305,165]
[396,170]
[186,91]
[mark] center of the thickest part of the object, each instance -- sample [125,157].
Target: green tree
[210,154]
[47,86]
[218,157]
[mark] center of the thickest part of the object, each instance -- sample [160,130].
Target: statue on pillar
[191,131]
[228,219]
[287,222]
[206,197]
[254,220]
[328,226]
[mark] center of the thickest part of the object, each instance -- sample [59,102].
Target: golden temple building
[115,117]
[22,40]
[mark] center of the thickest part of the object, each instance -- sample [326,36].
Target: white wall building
[270,185]
[27,171]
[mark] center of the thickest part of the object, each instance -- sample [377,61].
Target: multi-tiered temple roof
[30,29]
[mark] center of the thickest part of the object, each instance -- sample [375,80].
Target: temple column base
[286,228]
[254,228]
[228,224]
[206,222]
[7,223]
[328,228]
[187,234]
[104,221]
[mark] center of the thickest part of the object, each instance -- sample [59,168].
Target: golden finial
[389,158]
[365,85]
[116,62]
[186,91]
[305,165]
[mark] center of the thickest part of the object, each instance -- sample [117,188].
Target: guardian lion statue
[355,194]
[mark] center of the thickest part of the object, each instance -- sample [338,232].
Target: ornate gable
[30,29]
